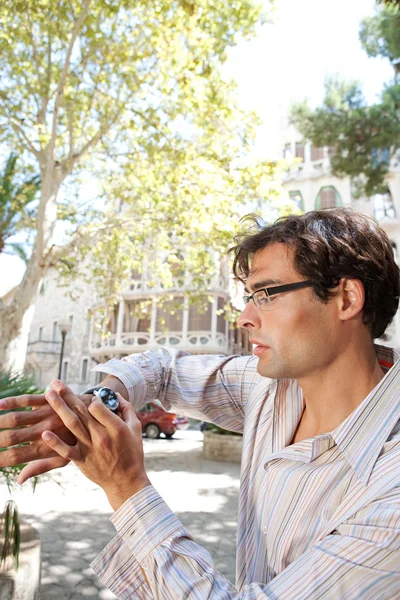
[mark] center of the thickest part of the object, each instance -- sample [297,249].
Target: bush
[212,427]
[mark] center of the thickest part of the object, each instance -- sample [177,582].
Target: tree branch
[64,73]
[34,48]
[21,134]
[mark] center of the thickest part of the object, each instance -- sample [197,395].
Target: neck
[333,392]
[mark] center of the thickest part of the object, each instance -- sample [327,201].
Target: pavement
[72,513]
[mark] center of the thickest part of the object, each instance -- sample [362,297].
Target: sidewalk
[73,517]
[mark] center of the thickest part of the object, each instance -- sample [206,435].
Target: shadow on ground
[71,540]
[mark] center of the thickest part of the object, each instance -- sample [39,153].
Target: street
[72,513]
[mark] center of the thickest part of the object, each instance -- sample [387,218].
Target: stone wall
[224,448]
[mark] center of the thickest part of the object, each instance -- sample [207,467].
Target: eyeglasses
[262,298]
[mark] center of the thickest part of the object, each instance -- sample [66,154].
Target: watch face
[109,398]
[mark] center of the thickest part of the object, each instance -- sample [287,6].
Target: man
[319,409]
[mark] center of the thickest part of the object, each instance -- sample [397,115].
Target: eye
[262,298]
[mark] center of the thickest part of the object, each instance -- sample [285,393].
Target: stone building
[144,318]
[311,185]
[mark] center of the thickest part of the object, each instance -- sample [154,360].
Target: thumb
[125,409]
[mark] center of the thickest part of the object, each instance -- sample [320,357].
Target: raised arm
[212,388]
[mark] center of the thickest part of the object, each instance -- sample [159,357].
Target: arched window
[297,197]
[328,197]
[384,206]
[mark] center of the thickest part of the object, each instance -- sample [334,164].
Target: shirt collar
[361,436]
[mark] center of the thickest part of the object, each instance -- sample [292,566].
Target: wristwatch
[107,396]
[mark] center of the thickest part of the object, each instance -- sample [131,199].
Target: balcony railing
[141,341]
[44,347]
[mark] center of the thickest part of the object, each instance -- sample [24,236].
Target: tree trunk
[14,304]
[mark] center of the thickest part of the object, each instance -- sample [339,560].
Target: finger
[126,410]
[76,403]
[21,435]
[75,419]
[38,467]
[66,393]
[19,455]
[22,401]
[62,449]
[103,415]
[25,417]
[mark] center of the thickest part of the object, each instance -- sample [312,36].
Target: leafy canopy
[365,137]
[131,93]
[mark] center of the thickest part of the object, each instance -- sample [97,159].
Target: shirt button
[265,530]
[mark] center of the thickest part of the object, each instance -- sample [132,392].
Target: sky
[287,61]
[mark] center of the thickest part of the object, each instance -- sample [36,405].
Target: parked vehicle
[155,420]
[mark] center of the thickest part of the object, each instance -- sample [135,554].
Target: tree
[389,2]
[16,211]
[364,137]
[129,91]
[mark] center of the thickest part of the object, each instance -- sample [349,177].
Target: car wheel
[169,435]
[152,431]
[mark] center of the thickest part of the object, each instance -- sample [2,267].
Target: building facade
[144,318]
[311,185]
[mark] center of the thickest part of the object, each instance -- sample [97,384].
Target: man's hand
[108,449]
[28,426]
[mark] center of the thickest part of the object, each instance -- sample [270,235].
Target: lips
[255,343]
[259,349]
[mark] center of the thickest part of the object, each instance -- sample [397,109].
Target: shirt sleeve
[213,388]
[154,554]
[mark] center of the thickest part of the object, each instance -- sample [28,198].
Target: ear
[351,297]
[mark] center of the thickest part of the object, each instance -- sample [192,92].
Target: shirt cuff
[119,571]
[130,375]
[144,521]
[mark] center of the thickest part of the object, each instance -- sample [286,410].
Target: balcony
[43,353]
[195,342]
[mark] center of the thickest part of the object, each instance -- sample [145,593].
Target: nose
[249,317]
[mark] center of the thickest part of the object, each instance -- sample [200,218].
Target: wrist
[117,495]
[115,385]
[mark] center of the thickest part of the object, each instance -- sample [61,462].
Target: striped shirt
[318,519]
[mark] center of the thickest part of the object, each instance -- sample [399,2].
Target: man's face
[298,335]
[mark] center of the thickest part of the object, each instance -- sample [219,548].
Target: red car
[155,420]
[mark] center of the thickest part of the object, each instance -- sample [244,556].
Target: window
[87,323]
[65,371]
[70,323]
[99,376]
[200,317]
[317,153]
[84,370]
[221,321]
[170,315]
[40,333]
[384,206]
[54,334]
[137,317]
[147,408]
[299,153]
[297,197]
[328,197]
[287,152]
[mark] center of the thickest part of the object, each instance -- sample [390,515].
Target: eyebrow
[263,284]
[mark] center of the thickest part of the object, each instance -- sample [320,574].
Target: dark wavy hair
[328,245]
